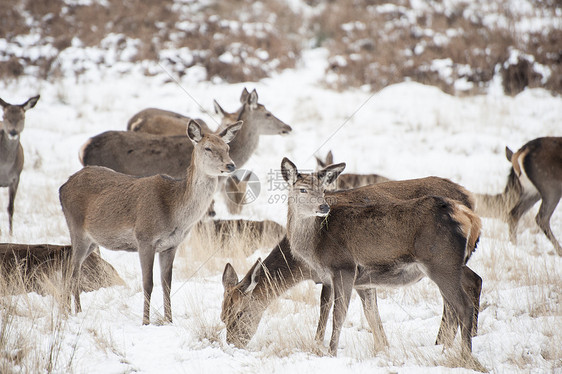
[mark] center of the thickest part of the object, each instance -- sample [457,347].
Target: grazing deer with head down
[149,215]
[536,174]
[11,151]
[246,300]
[349,180]
[387,242]
[163,122]
[142,154]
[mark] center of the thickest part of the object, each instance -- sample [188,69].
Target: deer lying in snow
[143,154]
[149,215]
[26,267]
[536,174]
[387,242]
[11,151]
[246,300]
[349,180]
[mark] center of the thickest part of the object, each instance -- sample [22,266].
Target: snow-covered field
[404,131]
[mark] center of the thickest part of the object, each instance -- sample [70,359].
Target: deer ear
[194,131]
[252,100]
[319,162]
[244,96]
[508,153]
[252,281]
[218,109]
[329,158]
[229,277]
[289,171]
[331,173]
[230,131]
[30,103]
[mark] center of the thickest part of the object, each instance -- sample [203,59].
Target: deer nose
[230,167]
[13,133]
[324,208]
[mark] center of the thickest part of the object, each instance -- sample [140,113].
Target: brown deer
[349,180]
[26,267]
[11,151]
[142,154]
[388,242]
[163,122]
[536,174]
[243,305]
[240,235]
[149,215]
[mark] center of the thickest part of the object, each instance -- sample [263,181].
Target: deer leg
[146,254]
[449,325]
[370,308]
[472,285]
[548,204]
[166,260]
[449,281]
[81,248]
[342,281]
[12,191]
[325,306]
[522,206]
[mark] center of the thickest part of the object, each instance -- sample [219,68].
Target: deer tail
[470,226]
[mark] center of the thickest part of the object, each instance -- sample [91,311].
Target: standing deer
[387,242]
[11,151]
[149,215]
[142,154]
[245,301]
[349,180]
[536,174]
[163,122]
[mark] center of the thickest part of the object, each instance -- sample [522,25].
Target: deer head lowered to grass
[11,151]
[148,215]
[246,300]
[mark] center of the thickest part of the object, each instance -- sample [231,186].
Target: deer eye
[303,190]
[208,149]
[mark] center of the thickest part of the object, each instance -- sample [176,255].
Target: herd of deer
[144,189]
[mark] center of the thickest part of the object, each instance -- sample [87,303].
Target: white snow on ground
[404,131]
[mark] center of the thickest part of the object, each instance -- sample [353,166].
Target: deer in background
[163,122]
[536,174]
[387,242]
[246,300]
[142,154]
[11,151]
[349,180]
[149,215]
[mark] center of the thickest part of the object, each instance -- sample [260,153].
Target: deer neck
[8,147]
[280,271]
[499,205]
[246,141]
[303,235]
[198,189]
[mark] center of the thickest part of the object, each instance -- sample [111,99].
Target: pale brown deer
[142,154]
[30,267]
[388,242]
[349,180]
[536,174]
[163,122]
[11,151]
[246,300]
[149,215]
